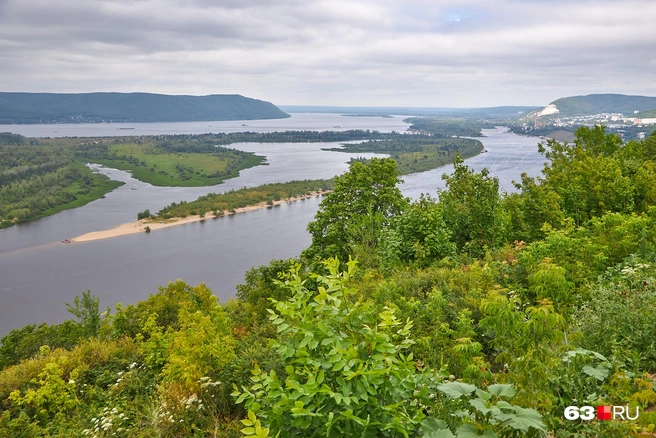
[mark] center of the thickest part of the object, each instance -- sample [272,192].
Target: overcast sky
[439,53]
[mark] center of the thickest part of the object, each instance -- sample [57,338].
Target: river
[38,274]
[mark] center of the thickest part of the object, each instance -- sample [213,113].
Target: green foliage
[417,153]
[143,214]
[24,343]
[527,340]
[350,218]
[348,376]
[189,161]
[419,235]
[85,309]
[486,413]
[31,188]
[345,373]
[471,208]
[233,199]
[617,320]
[446,127]
[588,175]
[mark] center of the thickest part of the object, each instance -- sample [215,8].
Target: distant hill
[646,114]
[131,107]
[378,111]
[603,103]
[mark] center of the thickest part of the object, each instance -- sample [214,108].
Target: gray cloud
[345,52]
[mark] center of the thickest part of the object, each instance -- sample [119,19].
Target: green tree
[87,312]
[419,235]
[588,175]
[350,218]
[471,208]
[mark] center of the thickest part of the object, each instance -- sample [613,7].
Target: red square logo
[603,412]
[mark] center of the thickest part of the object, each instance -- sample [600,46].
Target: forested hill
[130,107]
[603,103]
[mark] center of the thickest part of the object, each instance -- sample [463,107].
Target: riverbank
[154,225]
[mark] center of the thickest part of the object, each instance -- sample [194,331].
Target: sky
[412,53]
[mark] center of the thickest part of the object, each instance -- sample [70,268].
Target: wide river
[39,274]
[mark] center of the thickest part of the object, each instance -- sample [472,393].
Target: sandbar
[154,225]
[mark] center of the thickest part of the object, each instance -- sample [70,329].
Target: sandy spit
[140,225]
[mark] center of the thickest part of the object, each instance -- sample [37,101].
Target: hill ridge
[136,107]
[602,103]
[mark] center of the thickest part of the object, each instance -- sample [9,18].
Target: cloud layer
[356,52]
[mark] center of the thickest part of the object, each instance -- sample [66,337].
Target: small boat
[123,129]
[66,241]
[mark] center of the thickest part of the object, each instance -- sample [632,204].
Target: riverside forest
[39,177]
[474,313]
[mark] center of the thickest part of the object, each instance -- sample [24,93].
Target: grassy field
[182,169]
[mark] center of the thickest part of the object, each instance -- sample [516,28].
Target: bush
[618,319]
[144,214]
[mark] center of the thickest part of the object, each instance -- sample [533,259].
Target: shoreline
[140,225]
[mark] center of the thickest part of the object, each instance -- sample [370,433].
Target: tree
[350,218]
[86,310]
[418,235]
[470,206]
[589,176]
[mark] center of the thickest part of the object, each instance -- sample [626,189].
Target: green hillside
[130,107]
[647,114]
[603,103]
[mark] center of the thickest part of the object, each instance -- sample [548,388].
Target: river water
[38,274]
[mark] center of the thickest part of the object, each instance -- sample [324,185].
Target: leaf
[469,431]
[456,389]
[430,425]
[480,405]
[501,390]
[598,372]
[251,416]
[440,433]
[525,418]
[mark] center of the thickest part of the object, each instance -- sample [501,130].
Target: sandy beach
[154,225]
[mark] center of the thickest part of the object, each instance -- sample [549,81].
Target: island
[215,206]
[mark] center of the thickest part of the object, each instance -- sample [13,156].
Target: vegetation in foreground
[469,314]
